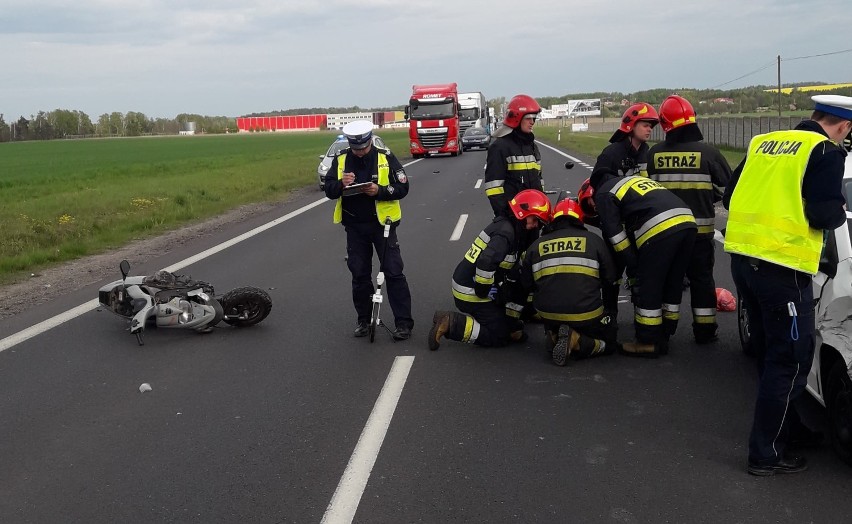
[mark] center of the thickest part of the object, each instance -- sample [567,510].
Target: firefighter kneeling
[494,253]
[565,270]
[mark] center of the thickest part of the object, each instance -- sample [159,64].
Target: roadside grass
[61,200]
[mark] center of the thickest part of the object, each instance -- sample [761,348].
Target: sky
[236,57]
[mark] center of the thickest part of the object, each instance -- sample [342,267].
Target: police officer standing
[698,174]
[781,199]
[379,182]
[513,162]
[494,253]
[564,270]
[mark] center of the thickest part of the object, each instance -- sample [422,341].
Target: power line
[814,56]
[767,66]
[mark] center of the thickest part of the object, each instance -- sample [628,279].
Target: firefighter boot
[453,326]
[568,341]
[639,349]
[550,339]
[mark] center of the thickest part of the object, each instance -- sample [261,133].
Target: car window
[378,142]
[475,131]
[336,148]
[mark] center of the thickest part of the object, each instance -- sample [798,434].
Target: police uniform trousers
[784,346]
[494,324]
[361,239]
[659,276]
[702,287]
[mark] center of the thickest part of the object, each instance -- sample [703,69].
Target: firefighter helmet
[676,111]
[569,208]
[635,113]
[531,202]
[519,106]
[586,199]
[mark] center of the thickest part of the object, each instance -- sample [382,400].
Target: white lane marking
[566,155]
[478,184]
[347,496]
[459,228]
[51,323]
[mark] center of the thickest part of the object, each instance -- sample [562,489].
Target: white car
[338,145]
[829,380]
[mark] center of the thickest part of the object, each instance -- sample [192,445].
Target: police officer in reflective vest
[363,214]
[494,253]
[651,231]
[513,162]
[564,270]
[781,199]
[698,174]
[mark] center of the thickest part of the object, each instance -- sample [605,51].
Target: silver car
[339,144]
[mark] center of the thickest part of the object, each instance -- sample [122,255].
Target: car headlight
[323,168]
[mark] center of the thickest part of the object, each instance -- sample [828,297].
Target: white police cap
[836,105]
[359,133]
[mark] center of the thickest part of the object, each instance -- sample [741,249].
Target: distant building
[187,128]
[723,100]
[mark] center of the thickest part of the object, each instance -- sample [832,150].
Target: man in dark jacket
[627,153]
[513,162]
[564,270]
[368,184]
[697,173]
[483,320]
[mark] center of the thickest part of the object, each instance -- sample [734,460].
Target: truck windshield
[423,110]
[469,114]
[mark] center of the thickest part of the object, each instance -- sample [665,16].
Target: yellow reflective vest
[384,208]
[767,213]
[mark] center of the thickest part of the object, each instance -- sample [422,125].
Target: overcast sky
[233,57]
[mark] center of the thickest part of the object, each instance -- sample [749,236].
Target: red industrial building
[281,123]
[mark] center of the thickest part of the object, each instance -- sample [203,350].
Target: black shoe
[790,464]
[362,330]
[402,333]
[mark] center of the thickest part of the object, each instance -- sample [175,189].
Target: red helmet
[586,199]
[531,202]
[636,113]
[676,111]
[519,106]
[568,208]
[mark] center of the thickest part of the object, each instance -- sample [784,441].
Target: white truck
[473,111]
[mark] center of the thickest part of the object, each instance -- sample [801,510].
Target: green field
[63,199]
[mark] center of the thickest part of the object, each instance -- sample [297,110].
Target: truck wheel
[839,403]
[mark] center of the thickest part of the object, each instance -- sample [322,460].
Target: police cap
[359,133]
[836,105]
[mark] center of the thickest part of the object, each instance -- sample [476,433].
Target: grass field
[64,199]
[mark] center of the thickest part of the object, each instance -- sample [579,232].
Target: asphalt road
[295,420]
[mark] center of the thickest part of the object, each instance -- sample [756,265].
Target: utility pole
[779,91]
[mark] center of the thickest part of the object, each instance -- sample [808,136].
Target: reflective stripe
[467,294]
[471,332]
[572,317]
[697,181]
[522,162]
[493,183]
[567,261]
[704,315]
[663,221]
[562,265]
[510,261]
[648,317]
[674,308]
[495,191]
[513,310]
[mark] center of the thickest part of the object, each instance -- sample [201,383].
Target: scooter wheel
[246,306]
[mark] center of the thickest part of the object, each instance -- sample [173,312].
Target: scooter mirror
[569,165]
[125,268]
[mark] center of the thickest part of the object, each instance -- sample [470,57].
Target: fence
[735,132]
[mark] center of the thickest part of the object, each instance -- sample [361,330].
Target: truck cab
[433,116]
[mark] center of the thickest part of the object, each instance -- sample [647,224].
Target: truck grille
[433,140]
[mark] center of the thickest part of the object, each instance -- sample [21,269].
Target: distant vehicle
[336,147]
[475,138]
[829,380]
[473,111]
[433,120]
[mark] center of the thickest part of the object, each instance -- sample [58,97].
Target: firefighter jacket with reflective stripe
[493,253]
[633,210]
[564,269]
[377,166]
[694,171]
[623,159]
[513,164]
[766,217]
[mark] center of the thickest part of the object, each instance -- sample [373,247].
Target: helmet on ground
[569,208]
[676,111]
[586,199]
[519,106]
[531,202]
[635,113]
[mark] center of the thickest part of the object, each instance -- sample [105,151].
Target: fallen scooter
[177,301]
